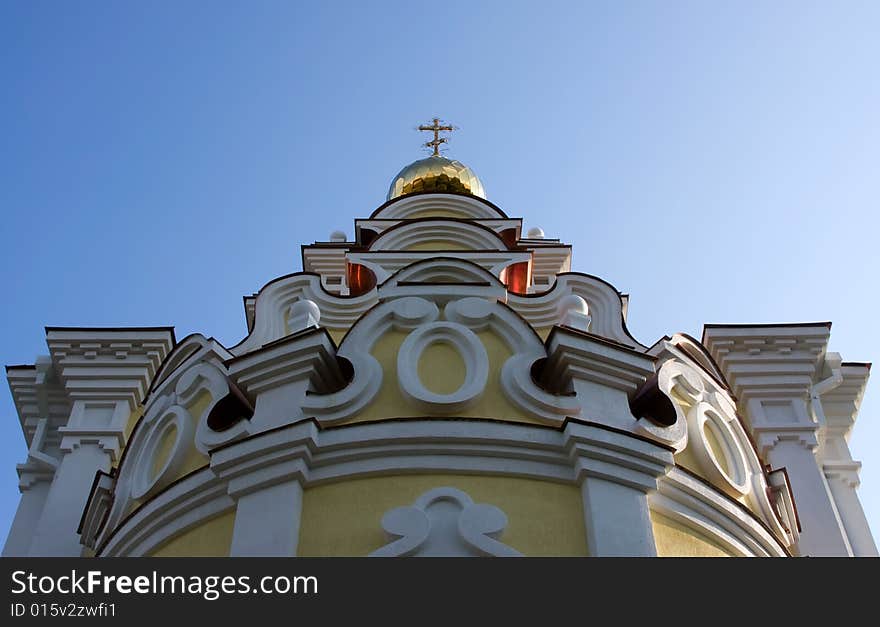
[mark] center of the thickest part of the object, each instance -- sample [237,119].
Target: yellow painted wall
[543,333]
[442,244]
[675,540]
[344,519]
[132,421]
[211,538]
[193,460]
[389,403]
[437,213]
[337,334]
[444,380]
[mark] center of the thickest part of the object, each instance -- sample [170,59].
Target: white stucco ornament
[574,312]
[468,346]
[445,522]
[304,314]
[536,232]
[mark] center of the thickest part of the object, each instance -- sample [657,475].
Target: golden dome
[436,174]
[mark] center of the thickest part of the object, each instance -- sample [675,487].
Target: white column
[267,522]
[30,508]
[617,472]
[822,532]
[617,519]
[56,533]
[843,486]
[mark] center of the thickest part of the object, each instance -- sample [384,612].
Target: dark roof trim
[283,340]
[115,330]
[597,338]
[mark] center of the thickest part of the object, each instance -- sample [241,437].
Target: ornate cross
[436,127]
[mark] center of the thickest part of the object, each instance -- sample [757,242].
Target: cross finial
[436,127]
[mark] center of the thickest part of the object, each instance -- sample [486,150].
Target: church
[439,384]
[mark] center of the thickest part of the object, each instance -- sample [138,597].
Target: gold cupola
[435,173]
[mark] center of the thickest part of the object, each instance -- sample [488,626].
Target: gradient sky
[718,161]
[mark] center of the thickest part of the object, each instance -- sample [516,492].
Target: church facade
[441,383]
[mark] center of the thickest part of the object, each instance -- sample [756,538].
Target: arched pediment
[190,349]
[604,301]
[438,234]
[417,205]
[444,270]
[273,303]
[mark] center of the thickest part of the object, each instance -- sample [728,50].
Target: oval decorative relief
[154,466]
[469,348]
[718,449]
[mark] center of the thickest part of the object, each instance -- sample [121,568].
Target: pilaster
[604,374]
[617,471]
[277,377]
[105,374]
[776,371]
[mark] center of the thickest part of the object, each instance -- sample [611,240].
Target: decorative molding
[403,314]
[452,234]
[687,500]
[466,344]
[461,206]
[110,364]
[306,453]
[604,301]
[445,522]
[97,509]
[386,264]
[273,302]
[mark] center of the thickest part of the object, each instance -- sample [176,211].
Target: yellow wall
[675,540]
[193,460]
[211,538]
[389,403]
[442,244]
[437,213]
[344,519]
[132,421]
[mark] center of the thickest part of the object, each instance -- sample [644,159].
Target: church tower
[440,384]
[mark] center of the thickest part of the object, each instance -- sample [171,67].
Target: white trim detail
[414,531]
[480,314]
[305,453]
[730,473]
[206,376]
[386,264]
[466,344]
[448,233]
[605,306]
[464,207]
[145,480]
[676,380]
[400,314]
[692,386]
[693,504]
[273,303]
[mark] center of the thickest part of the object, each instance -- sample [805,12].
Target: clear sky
[718,161]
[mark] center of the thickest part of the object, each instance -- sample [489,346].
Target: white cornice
[459,205]
[774,361]
[307,355]
[108,364]
[581,355]
[306,453]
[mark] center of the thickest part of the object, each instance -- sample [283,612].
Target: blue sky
[718,161]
